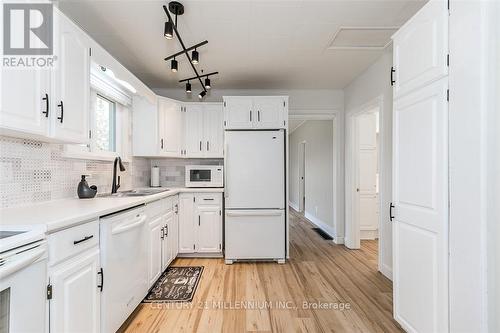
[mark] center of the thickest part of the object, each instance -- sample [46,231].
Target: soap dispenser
[84,190]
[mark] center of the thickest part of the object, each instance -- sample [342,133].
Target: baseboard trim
[294,206]
[368,234]
[386,271]
[338,240]
[320,224]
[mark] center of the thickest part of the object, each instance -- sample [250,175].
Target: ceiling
[253,44]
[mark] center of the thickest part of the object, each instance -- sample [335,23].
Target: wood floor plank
[323,287]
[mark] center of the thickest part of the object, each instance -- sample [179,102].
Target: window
[103,125]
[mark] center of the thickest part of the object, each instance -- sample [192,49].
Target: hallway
[323,288]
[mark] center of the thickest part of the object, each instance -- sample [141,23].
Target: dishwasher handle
[123,228]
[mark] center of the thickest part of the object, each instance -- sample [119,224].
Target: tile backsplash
[172,170]
[32,171]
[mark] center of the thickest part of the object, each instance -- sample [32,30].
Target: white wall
[373,83]
[305,101]
[473,166]
[318,135]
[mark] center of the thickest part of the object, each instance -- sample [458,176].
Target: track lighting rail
[187,50]
[195,77]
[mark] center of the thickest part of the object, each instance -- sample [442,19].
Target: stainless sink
[134,193]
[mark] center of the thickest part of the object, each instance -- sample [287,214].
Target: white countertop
[60,214]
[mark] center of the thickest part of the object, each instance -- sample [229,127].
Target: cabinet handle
[46,99]
[61,106]
[250,115]
[162,233]
[391,217]
[258,115]
[161,143]
[392,76]
[166,230]
[200,145]
[208,146]
[86,238]
[101,273]
[208,199]
[199,220]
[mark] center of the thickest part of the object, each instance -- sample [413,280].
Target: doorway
[302,176]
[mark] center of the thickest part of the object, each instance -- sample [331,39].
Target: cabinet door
[213,125]
[166,255]
[209,228]
[174,233]
[186,223]
[24,104]
[71,83]
[170,127]
[154,249]
[75,303]
[194,131]
[269,112]
[239,113]
[421,48]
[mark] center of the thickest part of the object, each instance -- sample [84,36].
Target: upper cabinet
[204,130]
[262,112]
[157,127]
[427,31]
[50,104]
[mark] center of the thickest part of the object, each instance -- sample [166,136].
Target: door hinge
[49,291]
[194,246]
[448,3]
[90,134]
[90,51]
[448,95]
[199,220]
[448,60]
[284,122]
[284,103]
[224,123]
[224,103]
[194,199]
[220,246]
[220,212]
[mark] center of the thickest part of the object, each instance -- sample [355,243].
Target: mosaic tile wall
[32,171]
[172,170]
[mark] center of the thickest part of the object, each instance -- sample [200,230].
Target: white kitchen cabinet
[51,104]
[167,239]
[209,228]
[414,68]
[174,233]
[71,83]
[155,249]
[255,112]
[158,127]
[75,302]
[200,223]
[204,130]
[170,127]
[186,223]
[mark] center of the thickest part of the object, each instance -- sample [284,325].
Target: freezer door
[255,169]
[254,234]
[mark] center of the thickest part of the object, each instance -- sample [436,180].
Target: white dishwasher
[123,260]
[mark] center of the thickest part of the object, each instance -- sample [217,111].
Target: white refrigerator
[254,193]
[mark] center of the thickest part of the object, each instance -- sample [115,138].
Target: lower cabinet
[154,249]
[200,223]
[167,240]
[75,301]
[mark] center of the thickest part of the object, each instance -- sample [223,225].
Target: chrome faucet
[116,184]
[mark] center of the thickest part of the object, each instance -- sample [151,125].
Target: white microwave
[204,176]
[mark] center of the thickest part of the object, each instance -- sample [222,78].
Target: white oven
[204,176]
[23,288]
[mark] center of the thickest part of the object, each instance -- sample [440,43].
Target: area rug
[176,284]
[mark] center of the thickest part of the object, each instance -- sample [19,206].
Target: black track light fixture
[168,32]
[174,65]
[188,87]
[207,83]
[195,57]
[202,94]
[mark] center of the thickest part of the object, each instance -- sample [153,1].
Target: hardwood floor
[268,297]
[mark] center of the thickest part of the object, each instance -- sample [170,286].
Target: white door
[270,112]
[213,126]
[239,113]
[302,176]
[255,169]
[166,256]
[366,189]
[75,303]
[209,228]
[186,223]
[420,194]
[171,125]
[421,48]
[155,249]
[25,102]
[71,84]
[194,131]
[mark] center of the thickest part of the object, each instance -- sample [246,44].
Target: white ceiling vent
[368,38]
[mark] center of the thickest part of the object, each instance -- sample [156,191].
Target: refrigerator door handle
[226,187]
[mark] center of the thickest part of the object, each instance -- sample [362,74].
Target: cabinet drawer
[159,207]
[69,242]
[208,198]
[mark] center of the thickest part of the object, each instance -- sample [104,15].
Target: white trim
[294,206]
[106,86]
[386,271]
[320,224]
[332,47]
